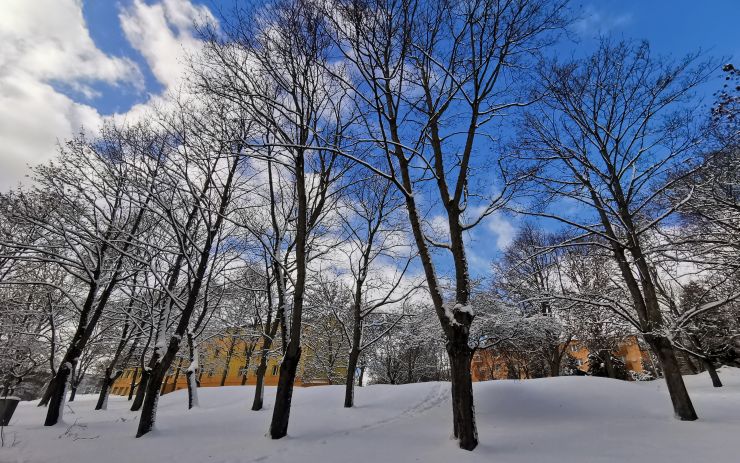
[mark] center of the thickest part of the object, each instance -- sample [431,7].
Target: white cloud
[47,42]
[502,228]
[47,46]
[163,34]
[595,21]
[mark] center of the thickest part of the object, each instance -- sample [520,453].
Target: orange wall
[487,366]
[212,359]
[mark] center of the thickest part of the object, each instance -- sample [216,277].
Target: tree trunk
[108,381]
[693,368]
[149,405]
[362,376]
[246,366]
[192,371]
[229,354]
[463,409]
[47,393]
[141,390]
[58,392]
[555,357]
[716,382]
[133,383]
[682,406]
[192,389]
[607,356]
[177,374]
[163,391]
[349,389]
[259,387]
[284,396]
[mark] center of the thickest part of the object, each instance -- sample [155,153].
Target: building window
[574,347]
[274,370]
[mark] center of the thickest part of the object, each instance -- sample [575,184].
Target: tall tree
[606,136]
[429,78]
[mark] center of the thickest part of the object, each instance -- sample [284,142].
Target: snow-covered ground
[570,419]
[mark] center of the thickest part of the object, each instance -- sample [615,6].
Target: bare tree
[605,138]
[429,78]
[378,257]
[280,79]
[193,201]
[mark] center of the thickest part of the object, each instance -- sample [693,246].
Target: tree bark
[259,387]
[349,390]
[682,406]
[108,380]
[133,383]
[229,354]
[463,409]
[607,355]
[47,393]
[141,390]
[362,376]
[709,365]
[177,374]
[166,381]
[284,396]
[192,371]
[247,361]
[149,405]
[58,392]
[292,356]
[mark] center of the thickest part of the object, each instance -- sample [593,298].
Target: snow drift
[568,419]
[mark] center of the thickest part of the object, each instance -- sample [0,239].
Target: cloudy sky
[65,64]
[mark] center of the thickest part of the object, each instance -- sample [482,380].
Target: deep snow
[569,419]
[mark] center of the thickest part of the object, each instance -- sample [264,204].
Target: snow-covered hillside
[570,419]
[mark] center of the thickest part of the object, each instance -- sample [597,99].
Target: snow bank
[574,419]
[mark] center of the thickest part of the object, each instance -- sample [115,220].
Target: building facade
[229,361]
[489,365]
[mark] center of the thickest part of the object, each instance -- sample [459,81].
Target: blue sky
[671,26]
[67,63]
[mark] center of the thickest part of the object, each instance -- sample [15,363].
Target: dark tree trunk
[177,374]
[149,405]
[349,389]
[229,354]
[47,393]
[693,368]
[608,365]
[191,373]
[133,383]
[682,406]
[192,389]
[362,376]
[709,365]
[284,396]
[108,380]
[58,392]
[165,383]
[259,387]
[555,357]
[248,355]
[73,393]
[463,409]
[141,390]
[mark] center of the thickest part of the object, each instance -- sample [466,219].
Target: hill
[567,419]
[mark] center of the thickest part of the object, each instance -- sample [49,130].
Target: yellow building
[488,365]
[228,361]
[629,351]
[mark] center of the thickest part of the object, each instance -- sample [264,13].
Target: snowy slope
[573,419]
